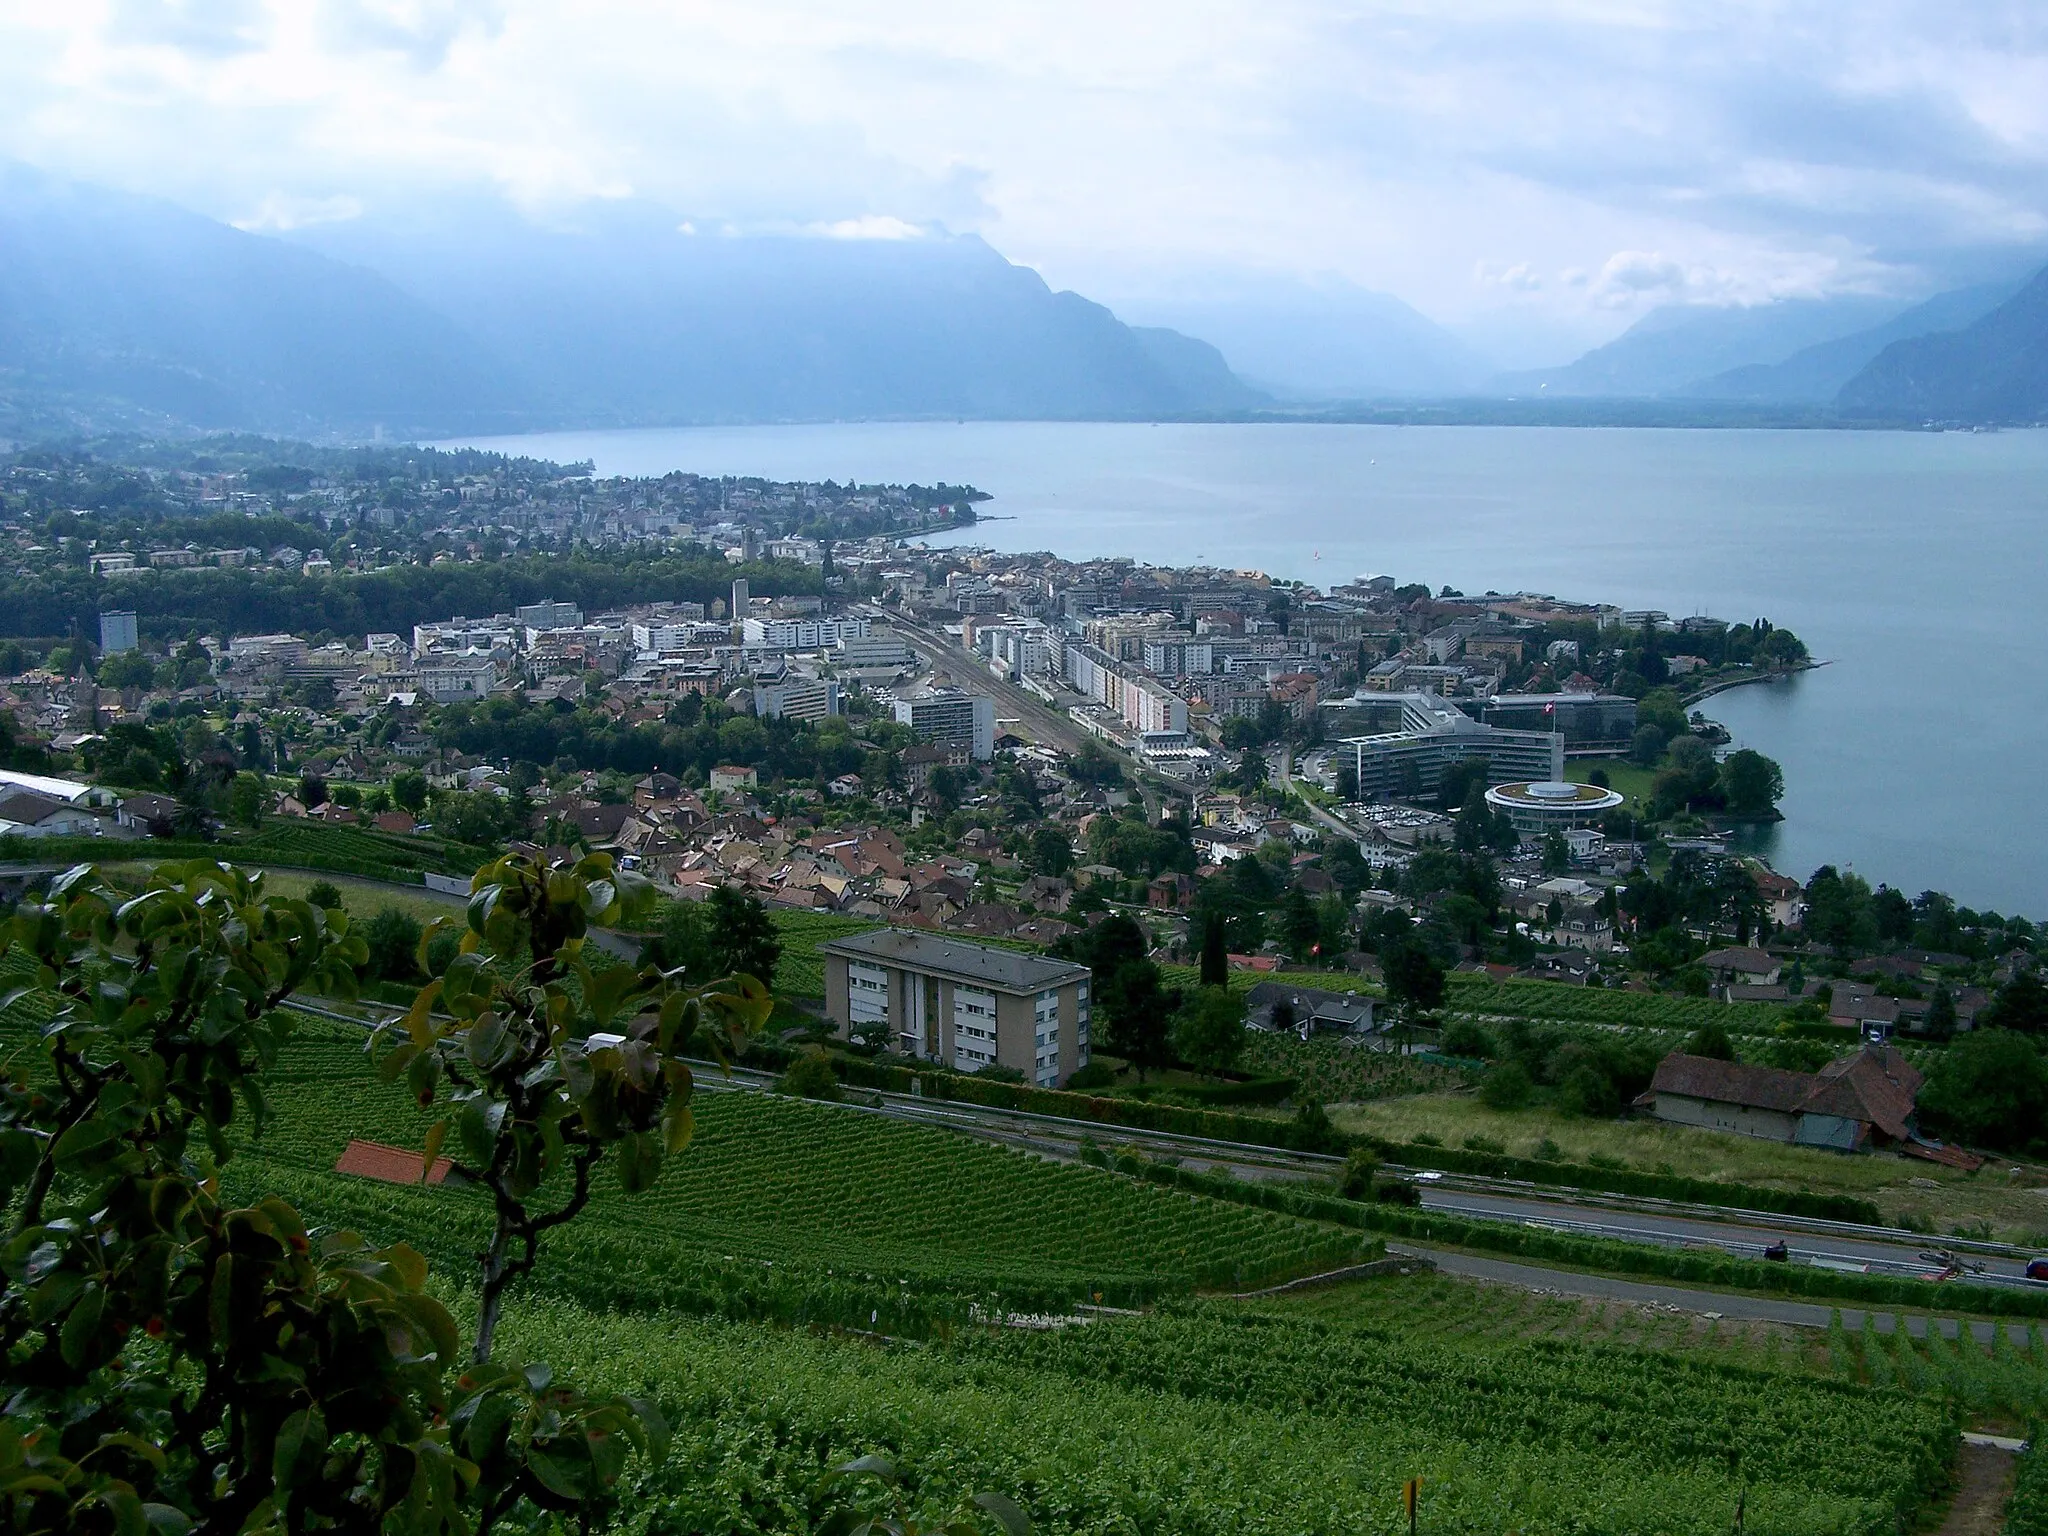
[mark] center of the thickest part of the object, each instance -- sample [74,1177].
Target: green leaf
[477,1124]
[436,1134]
[560,1476]
[677,1126]
[82,1326]
[1012,1518]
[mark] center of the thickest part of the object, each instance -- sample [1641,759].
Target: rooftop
[1006,970]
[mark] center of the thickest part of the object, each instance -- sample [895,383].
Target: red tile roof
[390,1165]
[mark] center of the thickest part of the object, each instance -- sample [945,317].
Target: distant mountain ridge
[1675,346]
[120,311]
[114,307]
[1993,370]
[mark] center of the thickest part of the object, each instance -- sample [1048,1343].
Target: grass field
[1941,1198]
[1635,783]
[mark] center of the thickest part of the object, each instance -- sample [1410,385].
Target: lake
[1911,562]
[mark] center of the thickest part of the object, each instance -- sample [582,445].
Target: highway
[1840,1245]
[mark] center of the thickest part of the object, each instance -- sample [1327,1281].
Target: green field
[1468,992]
[1338,1073]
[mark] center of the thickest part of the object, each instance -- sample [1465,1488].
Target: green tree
[810,1076]
[393,939]
[324,894]
[2020,1005]
[1138,1013]
[1989,1088]
[1347,780]
[1711,1040]
[1414,978]
[248,799]
[1941,1014]
[1752,784]
[409,789]
[1300,929]
[1251,770]
[1208,1032]
[1050,852]
[1215,951]
[742,935]
[1557,854]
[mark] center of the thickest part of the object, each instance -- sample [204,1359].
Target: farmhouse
[1850,1104]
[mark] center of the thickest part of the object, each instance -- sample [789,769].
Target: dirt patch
[1984,1480]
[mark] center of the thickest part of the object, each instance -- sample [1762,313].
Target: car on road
[2037,1269]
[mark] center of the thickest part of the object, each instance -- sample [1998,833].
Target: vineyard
[1336,1072]
[784,1181]
[1473,994]
[1198,1422]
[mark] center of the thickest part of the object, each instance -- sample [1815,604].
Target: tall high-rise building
[117,632]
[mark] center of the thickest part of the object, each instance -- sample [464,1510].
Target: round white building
[1551,805]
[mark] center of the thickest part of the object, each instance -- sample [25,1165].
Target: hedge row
[1630,1181]
[1612,1256]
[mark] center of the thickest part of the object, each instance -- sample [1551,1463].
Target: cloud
[277,212]
[1579,158]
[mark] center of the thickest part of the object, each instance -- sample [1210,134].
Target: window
[1045,1026]
[867,993]
[974,1028]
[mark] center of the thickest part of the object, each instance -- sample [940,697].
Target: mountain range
[124,312]
[118,310]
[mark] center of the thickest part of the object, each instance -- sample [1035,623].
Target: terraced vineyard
[1471,993]
[1339,1073]
[1198,1423]
[787,1181]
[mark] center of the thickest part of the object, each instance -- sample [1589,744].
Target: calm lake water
[1912,562]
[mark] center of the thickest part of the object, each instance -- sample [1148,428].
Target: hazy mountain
[1677,345]
[122,309]
[630,320]
[1816,375]
[1992,370]
[1324,340]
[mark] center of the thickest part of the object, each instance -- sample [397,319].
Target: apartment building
[970,1006]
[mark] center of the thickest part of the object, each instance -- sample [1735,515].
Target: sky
[1514,170]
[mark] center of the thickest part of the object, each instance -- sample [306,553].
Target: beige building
[969,1006]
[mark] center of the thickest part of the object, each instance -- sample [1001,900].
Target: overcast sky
[1559,165]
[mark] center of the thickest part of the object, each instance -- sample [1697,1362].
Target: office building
[797,698]
[970,1006]
[1433,733]
[549,615]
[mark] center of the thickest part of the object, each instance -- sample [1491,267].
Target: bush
[326,895]
[1360,1169]
[1485,1144]
[394,940]
[810,1076]
[1507,1086]
[1097,1074]
[1464,1038]
[1396,1192]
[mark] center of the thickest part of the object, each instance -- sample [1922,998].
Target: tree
[1215,952]
[1138,1011]
[810,1076]
[1347,780]
[1990,1088]
[742,936]
[248,799]
[1415,980]
[1557,854]
[1050,853]
[177,1363]
[1300,929]
[2021,1005]
[1941,1014]
[1208,1032]
[409,789]
[1711,1040]
[325,895]
[1752,784]
[1251,770]
[393,938]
